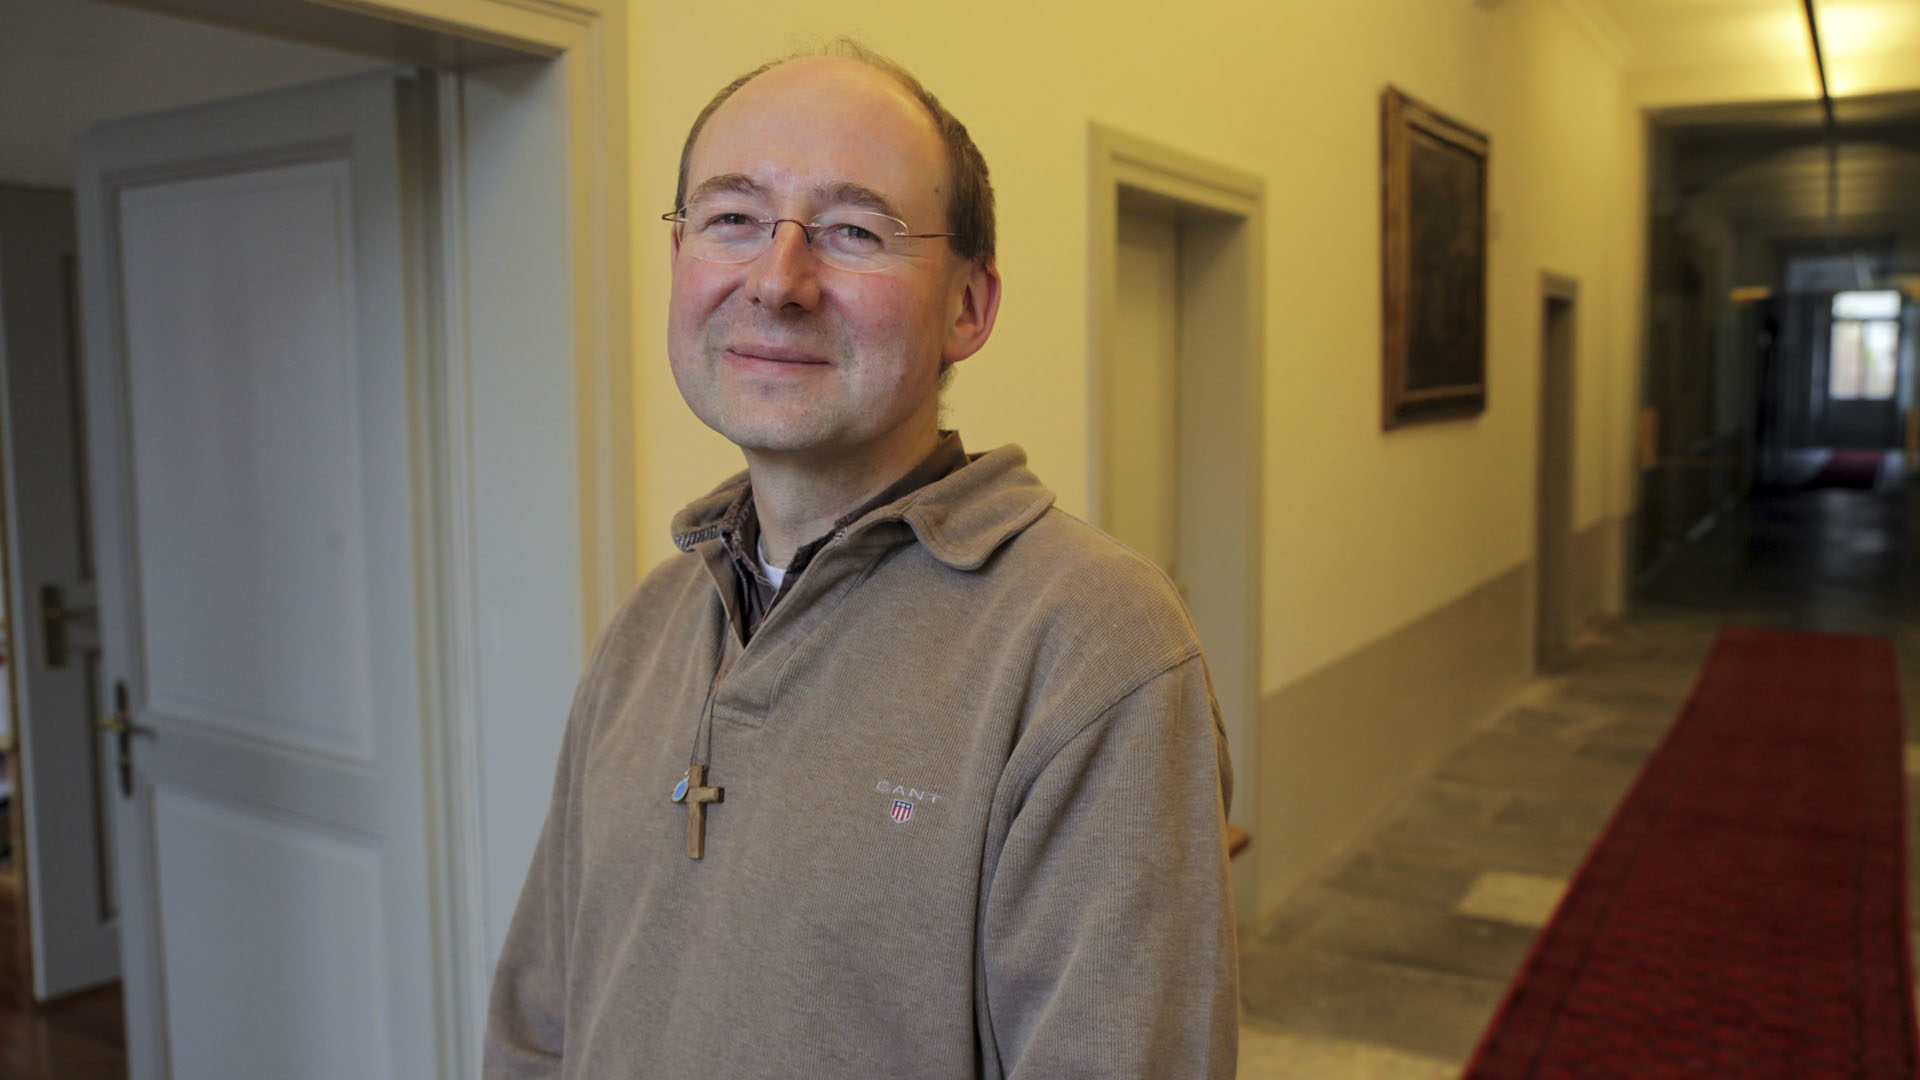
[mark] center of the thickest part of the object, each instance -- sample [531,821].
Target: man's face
[789,357]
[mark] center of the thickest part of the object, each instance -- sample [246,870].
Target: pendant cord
[701,753]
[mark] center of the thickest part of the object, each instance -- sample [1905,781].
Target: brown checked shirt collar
[754,594]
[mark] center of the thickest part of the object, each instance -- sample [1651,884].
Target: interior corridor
[1390,966]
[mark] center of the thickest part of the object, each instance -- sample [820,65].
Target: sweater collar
[961,518]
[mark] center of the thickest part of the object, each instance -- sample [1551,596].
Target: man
[897,771]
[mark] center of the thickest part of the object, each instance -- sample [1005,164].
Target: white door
[253,327]
[63,795]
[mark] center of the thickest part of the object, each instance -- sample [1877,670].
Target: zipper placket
[786,604]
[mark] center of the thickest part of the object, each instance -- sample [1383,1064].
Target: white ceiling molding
[1605,31]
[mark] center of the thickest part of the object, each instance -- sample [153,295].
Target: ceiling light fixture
[1833,130]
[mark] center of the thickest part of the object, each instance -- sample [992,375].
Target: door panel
[245,457]
[310,912]
[254,320]
[1868,425]
[63,796]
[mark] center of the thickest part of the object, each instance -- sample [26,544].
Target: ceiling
[1764,166]
[1876,188]
[1660,34]
[70,65]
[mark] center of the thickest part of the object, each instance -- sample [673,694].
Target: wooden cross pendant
[698,796]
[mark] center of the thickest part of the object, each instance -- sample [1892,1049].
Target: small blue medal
[680,789]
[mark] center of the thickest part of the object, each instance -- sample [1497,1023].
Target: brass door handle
[117,724]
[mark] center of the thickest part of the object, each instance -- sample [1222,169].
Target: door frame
[1221,213]
[1555,449]
[489,763]
[62,862]
[587,39]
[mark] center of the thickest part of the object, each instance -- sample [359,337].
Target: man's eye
[727,220]
[853,237]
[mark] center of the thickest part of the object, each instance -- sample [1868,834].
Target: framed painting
[1434,264]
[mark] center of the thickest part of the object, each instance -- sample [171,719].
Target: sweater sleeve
[1108,932]
[526,1014]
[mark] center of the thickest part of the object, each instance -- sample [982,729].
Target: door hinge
[55,614]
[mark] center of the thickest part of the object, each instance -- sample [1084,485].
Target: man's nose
[787,273]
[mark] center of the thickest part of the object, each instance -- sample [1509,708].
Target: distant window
[1867,305]
[1862,363]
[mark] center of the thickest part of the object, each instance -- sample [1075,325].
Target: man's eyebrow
[727,184]
[859,196]
[836,193]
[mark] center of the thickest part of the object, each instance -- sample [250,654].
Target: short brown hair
[970,192]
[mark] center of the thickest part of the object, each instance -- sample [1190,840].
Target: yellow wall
[1367,533]
[1365,530]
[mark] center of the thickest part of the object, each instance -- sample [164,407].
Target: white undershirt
[775,574]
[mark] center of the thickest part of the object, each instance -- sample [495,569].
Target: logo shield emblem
[902,810]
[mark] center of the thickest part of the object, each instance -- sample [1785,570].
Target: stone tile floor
[1390,965]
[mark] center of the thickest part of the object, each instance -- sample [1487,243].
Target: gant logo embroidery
[905,800]
[902,791]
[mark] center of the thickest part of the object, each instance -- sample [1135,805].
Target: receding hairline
[969,194]
[895,78]
[842,54]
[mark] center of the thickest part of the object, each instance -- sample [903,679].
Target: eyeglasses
[857,241]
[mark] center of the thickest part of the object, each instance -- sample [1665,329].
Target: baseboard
[1340,745]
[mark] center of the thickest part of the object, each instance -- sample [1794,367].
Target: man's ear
[976,308]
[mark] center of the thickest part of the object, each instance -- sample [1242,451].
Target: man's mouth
[775,354]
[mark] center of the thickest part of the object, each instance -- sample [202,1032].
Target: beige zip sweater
[972,826]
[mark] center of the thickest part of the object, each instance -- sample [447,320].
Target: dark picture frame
[1434,264]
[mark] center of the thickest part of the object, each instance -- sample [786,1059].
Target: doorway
[68,899]
[1858,356]
[1176,384]
[525,502]
[1553,529]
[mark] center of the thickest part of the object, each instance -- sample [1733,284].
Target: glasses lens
[857,240]
[733,231]
[723,231]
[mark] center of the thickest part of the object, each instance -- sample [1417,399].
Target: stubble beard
[767,416]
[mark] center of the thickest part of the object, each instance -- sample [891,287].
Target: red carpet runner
[1850,469]
[1744,914]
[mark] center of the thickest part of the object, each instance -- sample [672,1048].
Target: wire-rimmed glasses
[857,241]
